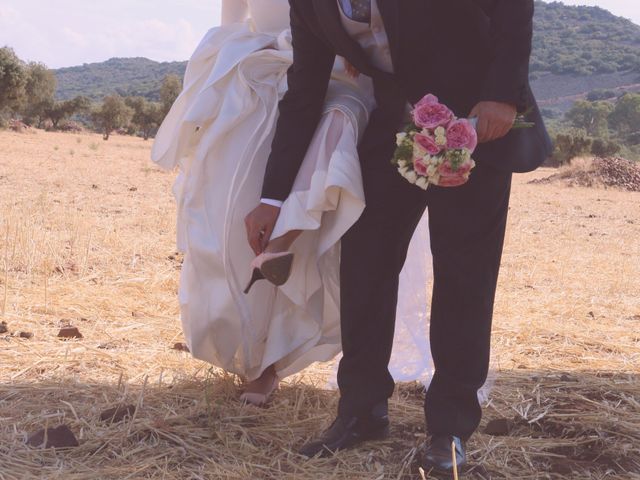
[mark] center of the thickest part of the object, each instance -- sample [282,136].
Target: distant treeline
[133,95]
[27,93]
[127,77]
[602,125]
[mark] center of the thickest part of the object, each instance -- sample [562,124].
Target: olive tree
[111,115]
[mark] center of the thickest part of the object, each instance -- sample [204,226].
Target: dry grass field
[87,239]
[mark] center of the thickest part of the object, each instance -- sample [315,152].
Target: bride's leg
[317,160]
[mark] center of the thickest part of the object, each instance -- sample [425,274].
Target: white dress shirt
[372,37]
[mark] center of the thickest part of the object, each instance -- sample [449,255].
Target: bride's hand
[351,70]
[260,223]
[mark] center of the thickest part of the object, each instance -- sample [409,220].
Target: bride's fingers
[253,236]
[265,236]
[254,242]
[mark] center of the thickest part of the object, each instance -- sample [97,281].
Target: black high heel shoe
[273,267]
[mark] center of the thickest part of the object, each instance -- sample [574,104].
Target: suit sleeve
[511,32]
[300,108]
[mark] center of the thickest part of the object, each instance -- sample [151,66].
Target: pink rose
[419,166]
[427,100]
[430,114]
[451,178]
[461,134]
[463,169]
[453,181]
[428,143]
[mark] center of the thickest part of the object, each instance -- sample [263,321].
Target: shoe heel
[255,276]
[278,270]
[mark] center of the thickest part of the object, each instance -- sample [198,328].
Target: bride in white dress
[219,134]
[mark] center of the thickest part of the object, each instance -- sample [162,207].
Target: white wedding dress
[218,134]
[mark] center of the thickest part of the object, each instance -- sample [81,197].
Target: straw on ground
[88,240]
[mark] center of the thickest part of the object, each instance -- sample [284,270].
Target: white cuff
[270,201]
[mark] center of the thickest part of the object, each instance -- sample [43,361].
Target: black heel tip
[257,275]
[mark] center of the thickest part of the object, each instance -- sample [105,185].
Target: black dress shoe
[438,456]
[345,433]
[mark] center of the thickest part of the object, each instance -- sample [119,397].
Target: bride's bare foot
[259,390]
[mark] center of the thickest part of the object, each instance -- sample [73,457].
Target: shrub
[596,95]
[570,145]
[604,148]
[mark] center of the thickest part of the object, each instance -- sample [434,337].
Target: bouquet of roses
[437,147]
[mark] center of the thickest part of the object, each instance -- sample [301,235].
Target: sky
[62,33]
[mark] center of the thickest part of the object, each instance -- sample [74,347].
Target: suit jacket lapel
[329,19]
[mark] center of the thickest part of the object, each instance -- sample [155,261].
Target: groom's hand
[260,224]
[495,120]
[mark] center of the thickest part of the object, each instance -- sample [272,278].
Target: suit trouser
[467,227]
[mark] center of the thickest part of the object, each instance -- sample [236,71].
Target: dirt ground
[87,239]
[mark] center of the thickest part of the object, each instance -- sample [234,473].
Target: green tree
[593,117]
[39,95]
[82,103]
[59,111]
[569,145]
[111,115]
[147,116]
[625,118]
[171,88]
[13,79]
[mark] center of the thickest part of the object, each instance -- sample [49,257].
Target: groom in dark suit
[474,56]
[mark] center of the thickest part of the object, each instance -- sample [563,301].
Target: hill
[583,41]
[576,50]
[125,76]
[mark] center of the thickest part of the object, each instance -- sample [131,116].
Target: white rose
[440,132]
[418,150]
[411,176]
[423,183]
[430,160]
[400,138]
[441,140]
[432,170]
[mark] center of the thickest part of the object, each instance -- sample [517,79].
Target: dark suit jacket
[463,51]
